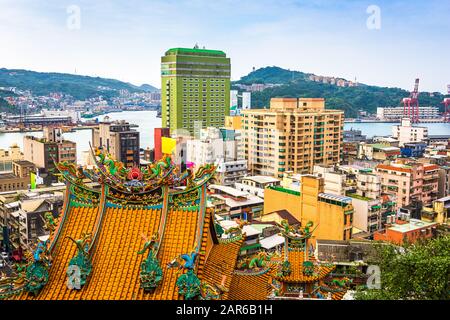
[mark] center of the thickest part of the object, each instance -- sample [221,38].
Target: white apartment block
[230,172]
[368,185]
[406,133]
[334,182]
[255,185]
[214,146]
[396,113]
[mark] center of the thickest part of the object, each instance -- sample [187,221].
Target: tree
[419,271]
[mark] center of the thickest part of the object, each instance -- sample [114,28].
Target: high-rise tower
[195,88]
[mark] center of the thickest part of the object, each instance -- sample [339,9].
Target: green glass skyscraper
[195,88]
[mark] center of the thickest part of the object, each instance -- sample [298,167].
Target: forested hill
[349,99]
[80,87]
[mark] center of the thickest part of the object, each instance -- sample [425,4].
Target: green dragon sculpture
[151,273]
[81,260]
[208,292]
[36,274]
[50,221]
[308,268]
[260,260]
[189,285]
[285,269]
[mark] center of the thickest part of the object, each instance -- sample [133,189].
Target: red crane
[411,104]
[446,103]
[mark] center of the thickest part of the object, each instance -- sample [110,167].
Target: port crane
[411,104]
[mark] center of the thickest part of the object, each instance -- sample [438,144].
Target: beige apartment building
[293,135]
[42,152]
[119,139]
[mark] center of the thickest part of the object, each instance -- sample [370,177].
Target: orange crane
[411,104]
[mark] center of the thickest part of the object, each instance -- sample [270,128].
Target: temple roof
[297,275]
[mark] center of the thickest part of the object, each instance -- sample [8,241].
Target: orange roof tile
[388,167]
[221,262]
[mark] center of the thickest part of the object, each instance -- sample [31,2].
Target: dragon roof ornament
[138,180]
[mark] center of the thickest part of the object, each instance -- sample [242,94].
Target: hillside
[80,87]
[349,99]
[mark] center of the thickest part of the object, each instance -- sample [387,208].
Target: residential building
[230,203]
[334,181]
[407,231]
[214,146]
[353,136]
[368,184]
[332,215]
[371,215]
[119,140]
[233,122]
[444,181]
[413,149]
[438,212]
[406,132]
[409,181]
[195,88]
[19,178]
[231,172]
[377,152]
[397,113]
[44,152]
[293,135]
[24,218]
[256,184]
[8,156]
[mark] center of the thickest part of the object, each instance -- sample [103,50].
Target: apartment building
[334,180]
[214,146]
[331,214]
[409,181]
[7,156]
[256,184]
[407,231]
[119,140]
[231,172]
[377,151]
[52,147]
[195,88]
[19,178]
[406,132]
[230,203]
[396,113]
[293,135]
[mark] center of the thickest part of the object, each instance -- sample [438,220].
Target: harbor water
[147,121]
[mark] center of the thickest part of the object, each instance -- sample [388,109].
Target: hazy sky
[125,39]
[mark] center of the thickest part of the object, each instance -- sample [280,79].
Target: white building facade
[406,133]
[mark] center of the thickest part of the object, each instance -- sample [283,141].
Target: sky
[378,42]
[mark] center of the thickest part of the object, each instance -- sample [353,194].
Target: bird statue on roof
[189,260]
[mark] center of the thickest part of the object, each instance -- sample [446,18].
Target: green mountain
[80,87]
[148,88]
[349,99]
